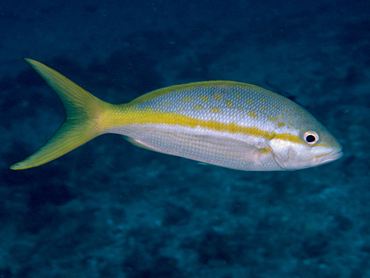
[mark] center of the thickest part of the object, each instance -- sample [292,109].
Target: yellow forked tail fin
[82,122]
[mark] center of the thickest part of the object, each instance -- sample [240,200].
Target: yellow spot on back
[249,102]
[280,124]
[204,98]
[186,99]
[164,104]
[252,114]
[237,95]
[262,100]
[198,107]
[218,96]
[202,85]
[272,119]
[229,103]
[215,110]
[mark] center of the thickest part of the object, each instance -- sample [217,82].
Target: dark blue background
[110,209]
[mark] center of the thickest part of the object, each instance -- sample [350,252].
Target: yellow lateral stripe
[132,116]
[252,114]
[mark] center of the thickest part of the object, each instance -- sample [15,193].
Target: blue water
[110,209]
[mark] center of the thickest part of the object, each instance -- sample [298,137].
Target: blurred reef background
[110,209]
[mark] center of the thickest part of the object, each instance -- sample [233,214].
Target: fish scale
[225,123]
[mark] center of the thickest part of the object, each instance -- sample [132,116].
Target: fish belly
[235,151]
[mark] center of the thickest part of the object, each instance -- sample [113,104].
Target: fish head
[303,146]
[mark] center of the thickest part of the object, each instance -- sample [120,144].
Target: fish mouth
[334,155]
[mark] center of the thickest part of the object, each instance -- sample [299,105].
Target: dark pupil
[310,138]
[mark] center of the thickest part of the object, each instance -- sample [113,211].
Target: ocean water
[110,209]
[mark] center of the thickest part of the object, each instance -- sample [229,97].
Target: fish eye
[310,137]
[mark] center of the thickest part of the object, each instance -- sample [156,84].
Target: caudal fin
[82,121]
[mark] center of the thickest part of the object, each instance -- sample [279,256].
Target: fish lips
[334,155]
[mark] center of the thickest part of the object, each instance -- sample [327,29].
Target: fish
[225,123]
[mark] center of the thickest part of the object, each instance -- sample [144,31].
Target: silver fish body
[225,123]
[230,124]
